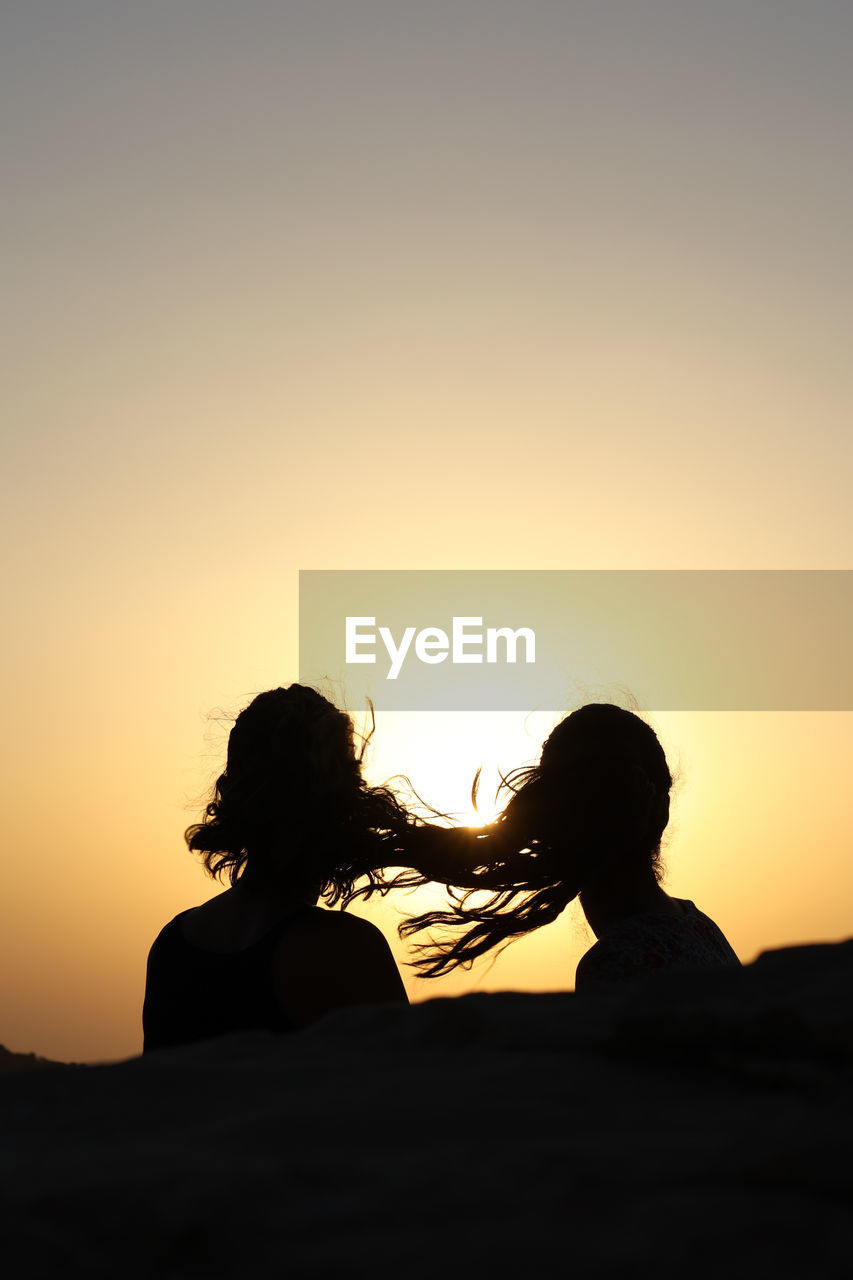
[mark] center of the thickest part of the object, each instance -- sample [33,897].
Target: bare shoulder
[329,959]
[333,928]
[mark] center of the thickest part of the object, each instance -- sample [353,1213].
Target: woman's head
[595,805]
[603,773]
[292,805]
[289,749]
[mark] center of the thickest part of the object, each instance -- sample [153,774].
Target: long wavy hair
[597,803]
[292,805]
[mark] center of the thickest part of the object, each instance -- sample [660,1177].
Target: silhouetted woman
[291,820]
[585,822]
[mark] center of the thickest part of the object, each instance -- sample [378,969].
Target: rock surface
[692,1127]
[24,1061]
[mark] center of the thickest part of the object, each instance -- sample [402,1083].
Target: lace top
[648,943]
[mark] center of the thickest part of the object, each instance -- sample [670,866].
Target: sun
[442,753]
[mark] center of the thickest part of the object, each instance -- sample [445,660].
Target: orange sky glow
[352,286]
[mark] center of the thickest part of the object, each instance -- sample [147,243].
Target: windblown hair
[598,799]
[292,803]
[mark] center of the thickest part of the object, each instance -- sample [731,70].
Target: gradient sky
[362,284]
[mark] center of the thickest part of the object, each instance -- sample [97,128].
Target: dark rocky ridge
[690,1127]
[24,1061]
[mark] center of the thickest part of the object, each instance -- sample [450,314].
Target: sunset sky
[380,284]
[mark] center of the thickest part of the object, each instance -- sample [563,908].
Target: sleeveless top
[651,942]
[194,994]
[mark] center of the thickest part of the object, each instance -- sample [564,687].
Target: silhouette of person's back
[291,820]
